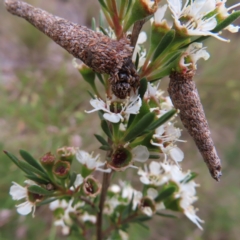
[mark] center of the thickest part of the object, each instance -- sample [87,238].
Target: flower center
[119,157]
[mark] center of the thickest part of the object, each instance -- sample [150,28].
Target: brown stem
[184,95]
[105,185]
[136,30]
[116,20]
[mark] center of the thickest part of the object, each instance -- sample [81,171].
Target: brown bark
[184,95]
[101,53]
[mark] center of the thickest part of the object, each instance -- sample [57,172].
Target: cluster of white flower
[196,18]
[160,174]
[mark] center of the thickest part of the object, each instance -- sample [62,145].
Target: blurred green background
[42,105]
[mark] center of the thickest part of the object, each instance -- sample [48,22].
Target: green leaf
[161,120]
[103,31]
[100,114]
[36,179]
[173,204]
[140,126]
[128,7]
[105,147]
[73,177]
[101,140]
[141,218]
[91,95]
[143,225]
[130,120]
[165,193]
[170,58]
[154,156]
[164,44]
[100,78]
[39,190]
[13,158]
[93,24]
[106,129]
[227,21]
[29,169]
[143,87]
[30,160]
[103,5]
[135,118]
[166,215]
[128,209]
[189,177]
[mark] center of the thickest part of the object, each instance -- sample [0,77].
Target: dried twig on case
[101,53]
[184,95]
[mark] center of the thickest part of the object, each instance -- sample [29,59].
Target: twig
[136,30]
[87,201]
[105,185]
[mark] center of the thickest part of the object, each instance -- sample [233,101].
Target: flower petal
[140,153]
[17,191]
[24,208]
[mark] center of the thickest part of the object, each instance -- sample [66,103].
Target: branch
[105,185]
[136,30]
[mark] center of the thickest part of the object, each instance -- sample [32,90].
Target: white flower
[64,220]
[61,223]
[167,104]
[152,193]
[78,181]
[90,162]
[111,109]
[191,19]
[128,192]
[167,133]
[110,205]
[154,176]
[159,15]
[18,192]
[114,188]
[147,211]
[153,92]
[88,218]
[140,154]
[223,13]
[58,204]
[186,191]
[140,50]
[193,53]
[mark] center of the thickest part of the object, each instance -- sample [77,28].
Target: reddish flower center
[119,157]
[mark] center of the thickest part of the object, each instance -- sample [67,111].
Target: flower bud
[47,161]
[91,186]
[66,153]
[61,169]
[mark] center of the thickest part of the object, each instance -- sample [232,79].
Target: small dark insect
[127,79]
